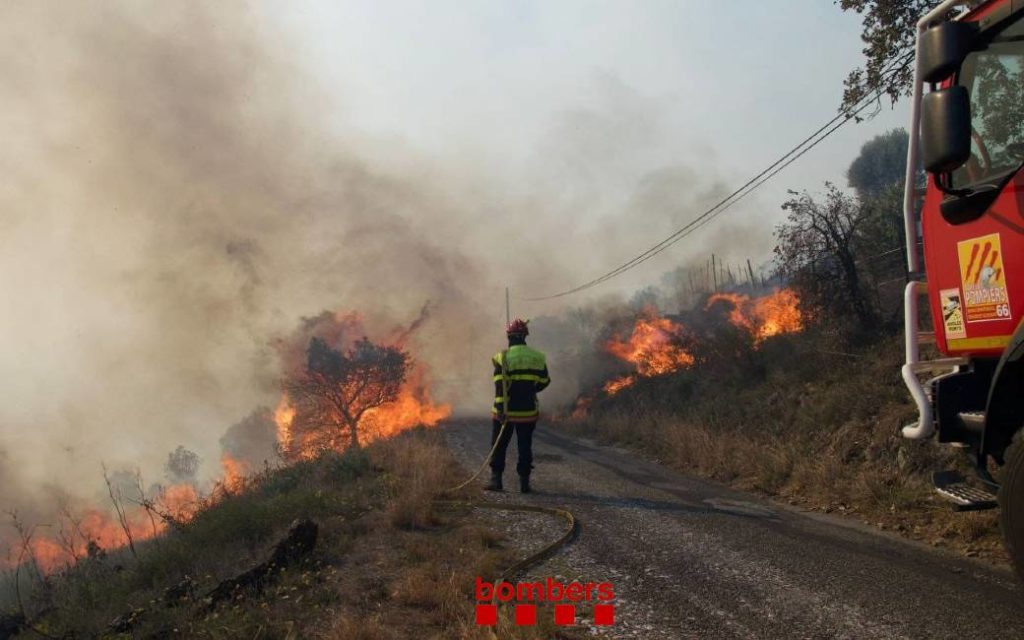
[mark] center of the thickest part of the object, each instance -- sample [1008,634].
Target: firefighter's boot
[524,483]
[495,483]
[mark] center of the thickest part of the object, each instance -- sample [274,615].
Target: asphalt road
[692,559]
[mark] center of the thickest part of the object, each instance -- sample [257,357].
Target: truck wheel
[1011,503]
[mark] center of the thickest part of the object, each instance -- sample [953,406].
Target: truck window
[994,77]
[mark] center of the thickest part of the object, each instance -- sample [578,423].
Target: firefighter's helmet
[518,327]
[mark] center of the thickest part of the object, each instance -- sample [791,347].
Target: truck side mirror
[943,47]
[945,129]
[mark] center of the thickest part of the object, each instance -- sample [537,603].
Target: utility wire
[725,203]
[751,185]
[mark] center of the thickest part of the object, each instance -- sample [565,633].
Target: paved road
[692,559]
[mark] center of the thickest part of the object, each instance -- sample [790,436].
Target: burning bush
[722,333]
[341,390]
[348,390]
[654,348]
[338,387]
[764,316]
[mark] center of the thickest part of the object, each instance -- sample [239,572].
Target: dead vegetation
[387,562]
[804,424]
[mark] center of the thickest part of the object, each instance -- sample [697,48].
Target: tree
[253,439]
[338,387]
[182,466]
[645,298]
[888,35]
[818,248]
[882,163]
[889,30]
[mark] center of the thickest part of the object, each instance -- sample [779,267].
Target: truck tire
[1011,503]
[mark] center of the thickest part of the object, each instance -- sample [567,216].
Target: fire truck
[967,131]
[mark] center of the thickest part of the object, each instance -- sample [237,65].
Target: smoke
[252,440]
[178,191]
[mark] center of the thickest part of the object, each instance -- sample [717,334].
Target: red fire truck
[967,130]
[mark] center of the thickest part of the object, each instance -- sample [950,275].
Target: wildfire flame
[100,530]
[618,384]
[412,408]
[579,410]
[765,316]
[235,473]
[94,529]
[652,348]
[180,501]
[284,415]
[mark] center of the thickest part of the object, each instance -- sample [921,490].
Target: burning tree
[339,386]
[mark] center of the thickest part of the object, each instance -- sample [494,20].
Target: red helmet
[518,327]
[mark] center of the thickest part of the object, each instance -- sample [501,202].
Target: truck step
[952,486]
[973,421]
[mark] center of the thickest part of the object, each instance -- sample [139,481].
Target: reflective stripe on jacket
[527,374]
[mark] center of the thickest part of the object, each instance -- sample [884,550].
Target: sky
[731,85]
[183,182]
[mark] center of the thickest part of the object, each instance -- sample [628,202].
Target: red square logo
[526,615]
[487,614]
[565,614]
[604,614]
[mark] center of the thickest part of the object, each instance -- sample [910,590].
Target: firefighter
[527,374]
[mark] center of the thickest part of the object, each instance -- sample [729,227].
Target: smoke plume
[178,191]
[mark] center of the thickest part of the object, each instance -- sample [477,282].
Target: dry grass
[809,430]
[359,628]
[389,564]
[420,470]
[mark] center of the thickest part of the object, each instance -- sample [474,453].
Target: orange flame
[180,501]
[235,473]
[774,314]
[54,551]
[63,546]
[412,408]
[581,408]
[283,417]
[618,384]
[652,347]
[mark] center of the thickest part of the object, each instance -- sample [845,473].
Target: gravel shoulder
[693,559]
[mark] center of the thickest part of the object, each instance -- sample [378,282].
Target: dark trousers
[524,442]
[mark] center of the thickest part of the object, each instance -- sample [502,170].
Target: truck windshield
[994,77]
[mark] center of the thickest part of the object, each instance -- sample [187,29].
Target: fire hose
[535,558]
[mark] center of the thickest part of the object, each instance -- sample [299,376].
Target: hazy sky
[731,84]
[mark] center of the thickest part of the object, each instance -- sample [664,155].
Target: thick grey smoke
[177,191]
[253,440]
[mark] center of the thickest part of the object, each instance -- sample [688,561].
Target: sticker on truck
[952,314]
[983,279]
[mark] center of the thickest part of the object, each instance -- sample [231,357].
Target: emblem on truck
[983,279]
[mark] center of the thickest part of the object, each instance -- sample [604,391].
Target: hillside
[805,420]
[387,563]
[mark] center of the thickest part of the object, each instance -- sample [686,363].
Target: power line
[751,185]
[724,204]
